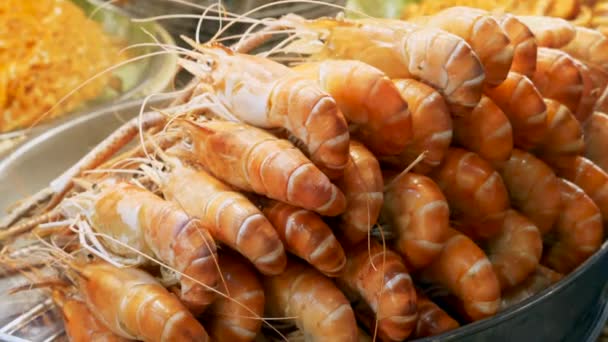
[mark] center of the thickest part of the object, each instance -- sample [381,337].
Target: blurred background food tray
[137,79]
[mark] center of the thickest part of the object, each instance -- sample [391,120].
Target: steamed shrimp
[523,42]
[305,235]
[590,46]
[596,139]
[564,138]
[267,94]
[560,77]
[591,178]
[475,192]
[319,309]
[516,251]
[485,36]
[227,214]
[601,105]
[464,270]
[402,50]
[136,306]
[418,214]
[533,189]
[578,231]
[487,132]
[431,123]
[521,102]
[432,320]
[236,317]
[80,324]
[369,100]
[379,277]
[362,185]
[542,278]
[549,32]
[253,160]
[139,220]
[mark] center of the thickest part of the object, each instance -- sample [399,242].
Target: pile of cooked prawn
[386,178]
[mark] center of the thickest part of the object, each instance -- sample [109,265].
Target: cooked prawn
[379,277]
[227,214]
[253,160]
[516,251]
[564,138]
[137,219]
[418,214]
[590,46]
[522,103]
[475,192]
[596,139]
[363,187]
[578,231]
[400,49]
[533,188]
[431,123]
[465,271]
[233,317]
[487,132]
[306,235]
[523,42]
[80,324]
[319,309]
[369,100]
[560,77]
[134,305]
[432,320]
[480,29]
[542,278]
[267,94]
[549,32]
[591,178]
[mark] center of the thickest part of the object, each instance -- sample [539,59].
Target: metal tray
[30,167]
[572,310]
[140,78]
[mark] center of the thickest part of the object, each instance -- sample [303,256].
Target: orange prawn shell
[320,309]
[482,32]
[267,94]
[229,320]
[578,232]
[363,186]
[229,216]
[419,215]
[533,189]
[379,276]
[253,160]
[369,100]
[487,132]
[432,320]
[464,269]
[516,252]
[403,50]
[105,289]
[79,322]
[306,235]
[476,193]
[432,126]
[523,104]
[523,41]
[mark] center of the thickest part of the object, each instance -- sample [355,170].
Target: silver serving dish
[140,78]
[572,310]
[29,314]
